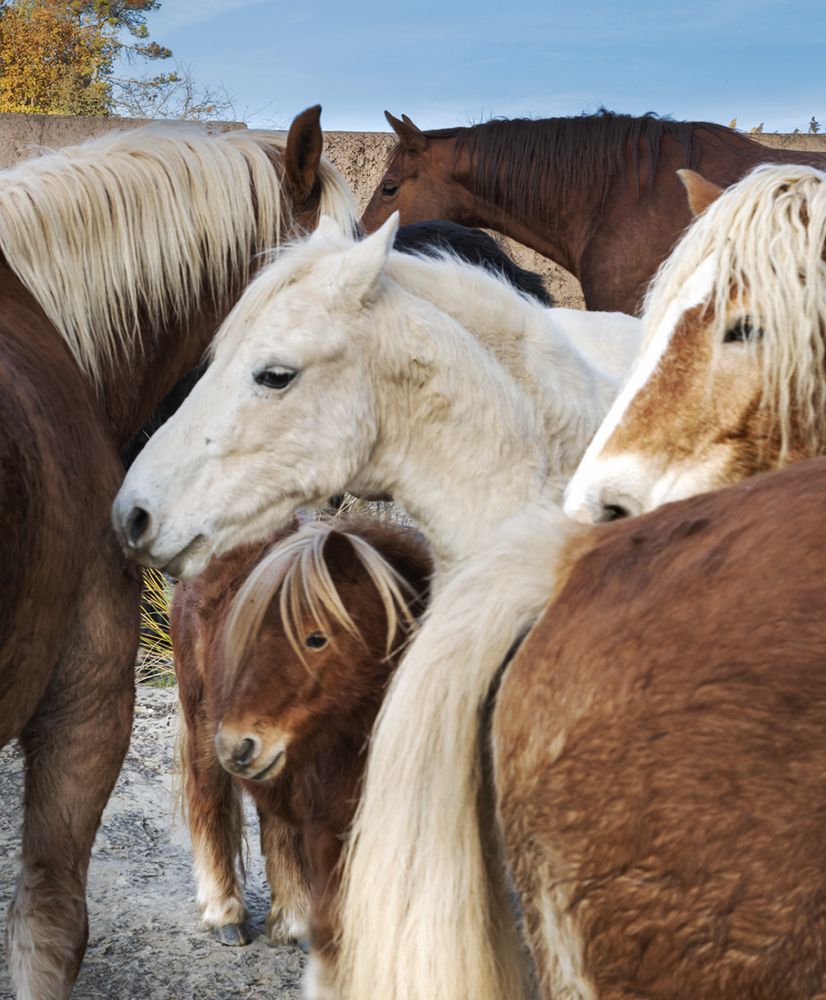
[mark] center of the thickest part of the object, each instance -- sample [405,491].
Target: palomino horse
[120,257]
[338,370]
[285,652]
[596,193]
[732,378]
[434,238]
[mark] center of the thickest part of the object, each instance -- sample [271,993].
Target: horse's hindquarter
[659,753]
[58,474]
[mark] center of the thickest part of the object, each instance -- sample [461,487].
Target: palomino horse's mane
[295,569]
[134,227]
[578,152]
[766,236]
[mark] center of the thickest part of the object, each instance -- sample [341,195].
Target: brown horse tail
[425,910]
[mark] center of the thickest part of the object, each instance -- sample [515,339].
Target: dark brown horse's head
[312,639]
[420,181]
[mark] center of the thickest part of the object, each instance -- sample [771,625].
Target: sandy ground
[145,942]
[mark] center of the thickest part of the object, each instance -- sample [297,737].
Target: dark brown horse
[598,194]
[322,613]
[119,259]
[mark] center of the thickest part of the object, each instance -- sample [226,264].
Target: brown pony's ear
[340,557]
[303,153]
[412,139]
[701,193]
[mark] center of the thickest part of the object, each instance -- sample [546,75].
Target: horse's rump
[667,828]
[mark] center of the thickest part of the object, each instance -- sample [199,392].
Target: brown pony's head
[419,181]
[731,379]
[312,638]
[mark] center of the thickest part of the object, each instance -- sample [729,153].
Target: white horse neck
[531,341]
[461,445]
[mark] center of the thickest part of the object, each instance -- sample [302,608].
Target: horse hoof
[233,935]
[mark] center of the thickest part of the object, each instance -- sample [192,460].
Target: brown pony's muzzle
[243,753]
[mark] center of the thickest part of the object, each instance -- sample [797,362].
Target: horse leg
[323,848]
[287,876]
[216,827]
[74,747]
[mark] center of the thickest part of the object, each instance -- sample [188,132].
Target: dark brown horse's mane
[577,153]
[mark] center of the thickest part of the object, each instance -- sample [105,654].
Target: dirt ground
[145,942]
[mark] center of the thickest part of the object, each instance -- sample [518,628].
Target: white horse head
[285,414]
[328,376]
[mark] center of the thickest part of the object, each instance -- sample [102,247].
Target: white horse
[328,376]
[731,380]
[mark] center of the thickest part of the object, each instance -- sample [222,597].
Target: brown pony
[598,194]
[659,752]
[282,654]
[119,259]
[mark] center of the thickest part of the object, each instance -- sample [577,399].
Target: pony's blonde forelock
[767,236]
[132,228]
[295,572]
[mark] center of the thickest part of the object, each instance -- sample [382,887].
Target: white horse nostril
[137,525]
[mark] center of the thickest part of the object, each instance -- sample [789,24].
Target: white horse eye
[275,378]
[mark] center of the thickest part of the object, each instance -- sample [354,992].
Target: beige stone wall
[359,155]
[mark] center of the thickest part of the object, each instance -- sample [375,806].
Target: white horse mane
[130,227]
[295,570]
[766,235]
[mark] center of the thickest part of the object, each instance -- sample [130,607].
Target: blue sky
[453,63]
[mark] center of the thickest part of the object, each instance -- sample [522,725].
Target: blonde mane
[296,571]
[766,235]
[132,228]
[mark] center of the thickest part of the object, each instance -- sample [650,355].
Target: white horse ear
[364,263]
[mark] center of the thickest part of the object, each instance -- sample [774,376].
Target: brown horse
[282,654]
[659,753]
[598,194]
[119,259]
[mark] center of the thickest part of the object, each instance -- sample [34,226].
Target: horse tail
[425,908]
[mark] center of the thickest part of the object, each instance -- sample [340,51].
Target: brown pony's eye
[742,332]
[389,189]
[315,640]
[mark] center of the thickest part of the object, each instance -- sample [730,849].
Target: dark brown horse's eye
[315,640]
[742,332]
[388,189]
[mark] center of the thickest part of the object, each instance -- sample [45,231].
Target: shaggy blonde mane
[766,235]
[296,571]
[133,228]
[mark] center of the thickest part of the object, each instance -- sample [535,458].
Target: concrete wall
[359,155]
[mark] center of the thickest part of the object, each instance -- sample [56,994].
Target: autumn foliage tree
[59,57]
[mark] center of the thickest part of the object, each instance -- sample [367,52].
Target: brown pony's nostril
[244,752]
[137,525]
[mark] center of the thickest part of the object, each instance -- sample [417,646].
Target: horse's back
[58,475]
[673,804]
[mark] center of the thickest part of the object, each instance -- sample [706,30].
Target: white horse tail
[425,912]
